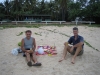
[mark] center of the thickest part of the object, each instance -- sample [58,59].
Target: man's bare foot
[73,61]
[61,60]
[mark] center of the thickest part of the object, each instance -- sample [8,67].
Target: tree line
[66,10]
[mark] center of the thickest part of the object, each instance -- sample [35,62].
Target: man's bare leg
[34,58]
[76,53]
[64,54]
[28,57]
[66,48]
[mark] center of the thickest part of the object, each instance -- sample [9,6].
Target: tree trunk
[63,14]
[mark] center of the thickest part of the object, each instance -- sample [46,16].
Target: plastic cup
[49,54]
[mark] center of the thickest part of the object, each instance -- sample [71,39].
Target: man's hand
[29,51]
[66,43]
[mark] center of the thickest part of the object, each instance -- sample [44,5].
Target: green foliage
[19,43]
[38,34]
[1,28]
[88,44]
[27,25]
[41,25]
[83,8]
[15,9]
[58,9]
[94,25]
[20,33]
[74,10]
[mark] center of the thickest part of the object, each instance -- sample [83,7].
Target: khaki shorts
[80,53]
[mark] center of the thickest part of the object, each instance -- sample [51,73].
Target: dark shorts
[80,53]
[24,55]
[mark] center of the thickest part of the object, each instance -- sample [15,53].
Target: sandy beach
[87,64]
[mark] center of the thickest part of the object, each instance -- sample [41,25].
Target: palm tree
[16,9]
[2,11]
[63,7]
[7,7]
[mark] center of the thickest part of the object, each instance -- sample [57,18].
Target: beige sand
[88,64]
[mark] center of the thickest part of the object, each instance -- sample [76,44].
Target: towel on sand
[47,50]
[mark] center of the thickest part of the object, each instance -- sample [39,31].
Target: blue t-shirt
[78,40]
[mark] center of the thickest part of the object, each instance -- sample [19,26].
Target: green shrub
[20,33]
[19,44]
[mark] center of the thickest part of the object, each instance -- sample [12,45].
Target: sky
[4,0]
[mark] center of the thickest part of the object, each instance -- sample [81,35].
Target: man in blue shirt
[74,46]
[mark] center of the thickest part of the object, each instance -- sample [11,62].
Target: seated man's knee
[68,48]
[33,54]
[79,46]
[27,54]
[65,43]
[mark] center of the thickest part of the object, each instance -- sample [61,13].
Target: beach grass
[40,25]
[20,33]
[37,34]
[89,45]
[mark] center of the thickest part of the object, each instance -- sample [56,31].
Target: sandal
[29,63]
[37,64]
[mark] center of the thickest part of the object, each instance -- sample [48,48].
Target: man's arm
[80,43]
[22,46]
[68,42]
[34,44]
